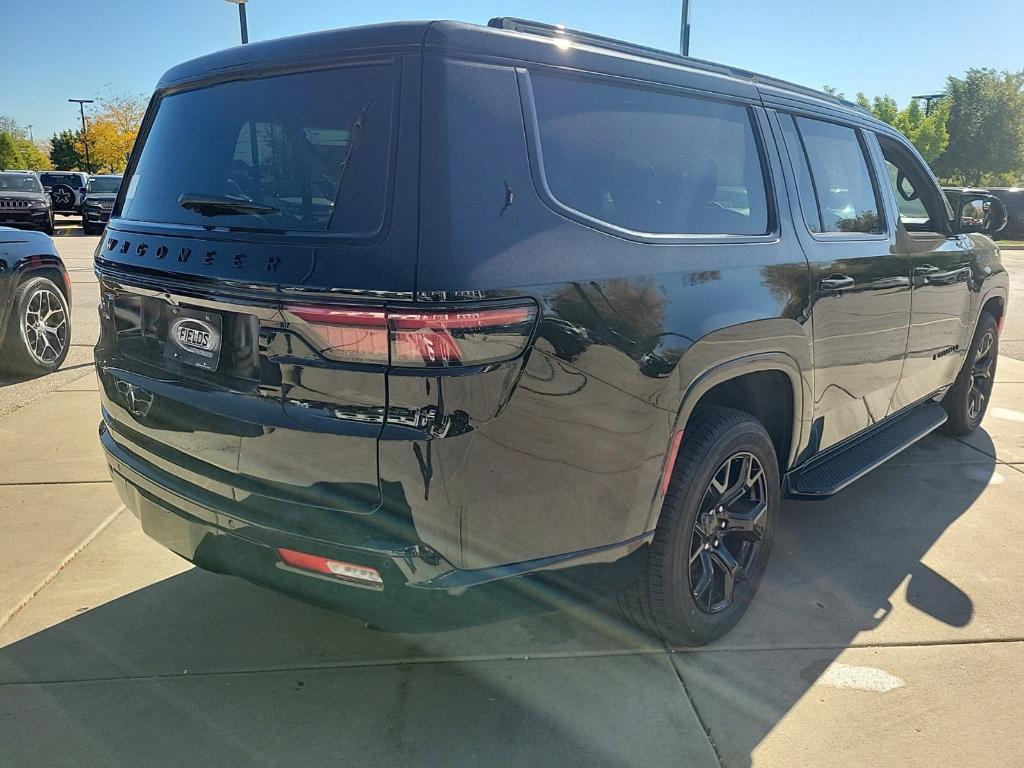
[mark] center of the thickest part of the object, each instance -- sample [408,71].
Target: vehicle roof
[14,170]
[507,38]
[106,176]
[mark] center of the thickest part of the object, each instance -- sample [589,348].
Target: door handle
[926,269]
[836,283]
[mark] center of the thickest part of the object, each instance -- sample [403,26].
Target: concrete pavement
[889,630]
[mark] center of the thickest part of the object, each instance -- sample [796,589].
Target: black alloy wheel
[727,532]
[714,535]
[968,399]
[981,376]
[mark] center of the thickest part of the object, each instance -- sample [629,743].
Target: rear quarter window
[314,147]
[650,161]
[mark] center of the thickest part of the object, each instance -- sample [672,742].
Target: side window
[648,160]
[920,206]
[846,197]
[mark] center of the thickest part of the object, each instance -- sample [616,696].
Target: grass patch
[1010,243]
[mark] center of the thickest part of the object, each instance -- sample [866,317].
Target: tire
[667,599]
[63,198]
[27,350]
[967,400]
[89,229]
[48,227]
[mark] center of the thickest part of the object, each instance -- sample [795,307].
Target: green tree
[927,132]
[986,126]
[10,156]
[63,154]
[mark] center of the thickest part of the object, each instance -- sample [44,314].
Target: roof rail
[622,46]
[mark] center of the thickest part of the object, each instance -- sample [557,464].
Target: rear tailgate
[205,370]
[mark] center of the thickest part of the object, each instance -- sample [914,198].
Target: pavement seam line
[53,482]
[63,564]
[346,665]
[693,705]
[399,662]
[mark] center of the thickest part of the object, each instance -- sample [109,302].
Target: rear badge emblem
[195,336]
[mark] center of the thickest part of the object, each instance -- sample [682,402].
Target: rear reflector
[329,567]
[670,462]
[418,338]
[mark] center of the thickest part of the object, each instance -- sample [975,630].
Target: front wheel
[715,533]
[968,398]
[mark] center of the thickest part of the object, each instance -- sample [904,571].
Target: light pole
[684,29]
[30,136]
[928,99]
[85,138]
[241,19]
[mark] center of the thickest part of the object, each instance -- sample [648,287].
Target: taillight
[424,337]
[328,567]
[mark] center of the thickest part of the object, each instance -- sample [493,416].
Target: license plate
[193,337]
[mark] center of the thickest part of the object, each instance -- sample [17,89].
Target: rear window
[73,180]
[307,151]
[650,160]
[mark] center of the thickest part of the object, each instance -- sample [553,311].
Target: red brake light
[425,337]
[339,568]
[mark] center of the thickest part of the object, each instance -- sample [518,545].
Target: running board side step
[839,467]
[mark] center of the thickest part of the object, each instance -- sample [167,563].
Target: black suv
[66,189]
[23,203]
[415,307]
[99,199]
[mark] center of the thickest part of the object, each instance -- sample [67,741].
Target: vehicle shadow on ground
[204,669]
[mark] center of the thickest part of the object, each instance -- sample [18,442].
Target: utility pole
[928,99]
[85,137]
[30,136]
[684,29]
[241,19]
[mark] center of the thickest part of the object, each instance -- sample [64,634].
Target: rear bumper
[196,525]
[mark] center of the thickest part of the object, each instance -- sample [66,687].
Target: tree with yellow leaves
[111,132]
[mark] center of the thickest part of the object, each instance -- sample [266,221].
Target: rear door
[860,304]
[257,210]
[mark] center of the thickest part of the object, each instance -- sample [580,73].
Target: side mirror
[979,213]
[47,189]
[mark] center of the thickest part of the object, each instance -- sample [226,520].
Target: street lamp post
[928,99]
[85,138]
[241,19]
[30,136]
[684,29]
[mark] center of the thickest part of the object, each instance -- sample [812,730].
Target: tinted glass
[312,147]
[103,184]
[19,182]
[648,160]
[804,184]
[72,180]
[846,196]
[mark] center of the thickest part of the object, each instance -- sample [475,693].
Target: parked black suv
[99,200]
[66,189]
[35,304]
[514,299]
[23,203]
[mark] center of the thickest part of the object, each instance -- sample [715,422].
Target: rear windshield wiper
[214,205]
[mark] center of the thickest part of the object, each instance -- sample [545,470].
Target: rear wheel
[715,533]
[38,330]
[968,398]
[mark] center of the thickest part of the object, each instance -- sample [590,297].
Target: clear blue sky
[56,49]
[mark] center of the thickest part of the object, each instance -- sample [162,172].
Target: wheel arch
[717,383]
[36,266]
